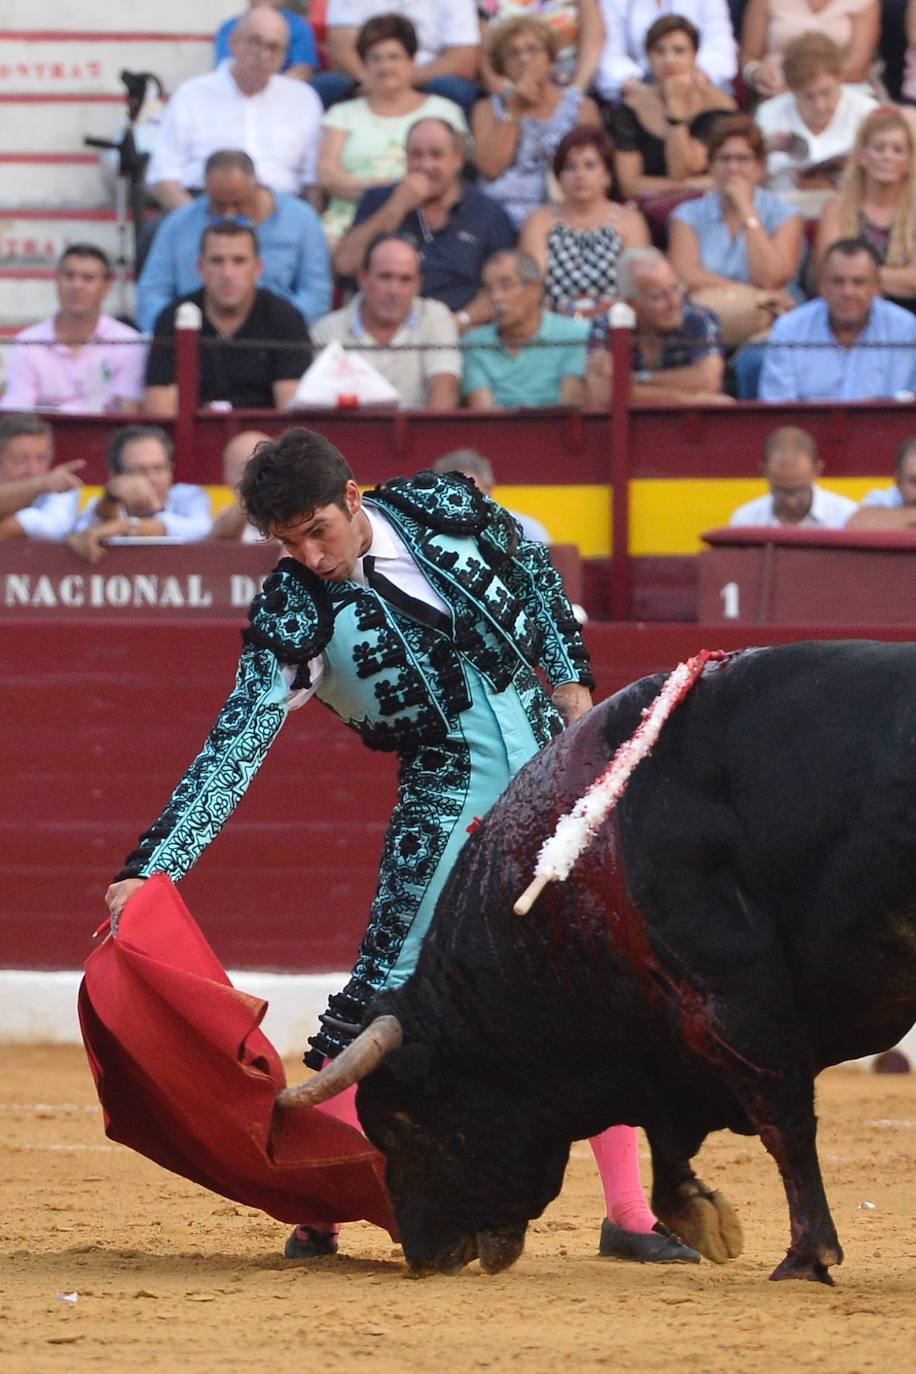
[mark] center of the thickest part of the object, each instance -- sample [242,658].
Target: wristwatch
[643,377]
[463,318]
[752,222]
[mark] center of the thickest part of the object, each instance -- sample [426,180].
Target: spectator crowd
[451,197]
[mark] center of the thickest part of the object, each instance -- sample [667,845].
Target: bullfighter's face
[463,1185]
[329,539]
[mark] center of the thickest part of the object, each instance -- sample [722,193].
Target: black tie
[403,601]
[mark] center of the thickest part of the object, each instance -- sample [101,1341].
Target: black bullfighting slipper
[305,1243]
[658,1246]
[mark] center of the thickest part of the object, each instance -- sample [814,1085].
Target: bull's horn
[355,1062]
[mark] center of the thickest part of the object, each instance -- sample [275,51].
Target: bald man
[791,466]
[232,522]
[240,105]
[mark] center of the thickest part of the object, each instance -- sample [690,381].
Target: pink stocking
[617,1156]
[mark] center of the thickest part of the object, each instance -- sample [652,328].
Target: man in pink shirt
[79,359]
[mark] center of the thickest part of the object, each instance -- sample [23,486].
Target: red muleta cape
[186,1077]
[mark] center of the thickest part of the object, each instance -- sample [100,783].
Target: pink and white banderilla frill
[575,831]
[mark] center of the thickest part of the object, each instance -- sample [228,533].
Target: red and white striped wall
[59,82]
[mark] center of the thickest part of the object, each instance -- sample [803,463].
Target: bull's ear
[413,1064]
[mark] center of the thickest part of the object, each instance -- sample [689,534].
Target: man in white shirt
[389,313]
[37,499]
[447,59]
[140,500]
[791,465]
[627,22]
[78,360]
[244,104]
[892,508]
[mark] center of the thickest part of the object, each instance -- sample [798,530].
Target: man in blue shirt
[454,227]
[293,248]
[302,54]
[849,344]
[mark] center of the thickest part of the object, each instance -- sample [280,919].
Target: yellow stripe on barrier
[667,515]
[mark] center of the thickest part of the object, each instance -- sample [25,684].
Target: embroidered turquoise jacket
[398,684]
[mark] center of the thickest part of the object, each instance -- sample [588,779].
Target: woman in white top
[363,140]
[810,129]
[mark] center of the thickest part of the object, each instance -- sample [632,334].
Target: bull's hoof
[658,1246]
[706,1220]
[500,1249]
[799,1267]
[450,1261]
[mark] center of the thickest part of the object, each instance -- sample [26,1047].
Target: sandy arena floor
[171,1278]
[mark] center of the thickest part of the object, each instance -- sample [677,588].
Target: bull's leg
[815,1245]
[780,1107]
[701,1216]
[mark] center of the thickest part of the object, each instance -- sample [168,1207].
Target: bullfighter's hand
[572,700]
[117,897]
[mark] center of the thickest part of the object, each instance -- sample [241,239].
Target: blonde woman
[517,131]
[579,28]
[876,201]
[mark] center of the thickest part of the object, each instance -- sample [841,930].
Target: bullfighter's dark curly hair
[291,476]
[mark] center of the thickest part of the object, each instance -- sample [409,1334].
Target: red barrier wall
[101,717]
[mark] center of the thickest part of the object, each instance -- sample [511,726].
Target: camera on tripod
[130,189]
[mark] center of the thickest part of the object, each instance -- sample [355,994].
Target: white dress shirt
[439,23]
[279,128]
[395,562]
[829,511]
[628,21]
[50,516]
[187,514]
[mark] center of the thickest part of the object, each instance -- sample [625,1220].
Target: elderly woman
[363,140]
[770,25]
[517,131]
[811,127]
[876,201]
[580,32]
[579,241]
[738,248]
[661,128]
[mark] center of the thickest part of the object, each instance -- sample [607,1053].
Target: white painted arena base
[40,1008]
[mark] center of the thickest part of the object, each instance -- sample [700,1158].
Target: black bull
[746,918]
